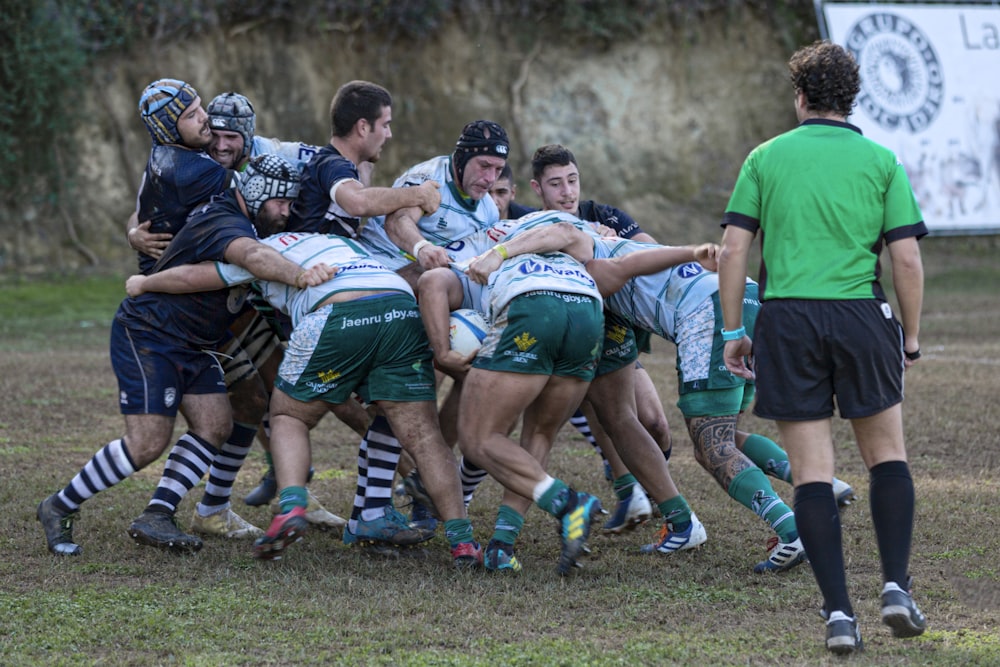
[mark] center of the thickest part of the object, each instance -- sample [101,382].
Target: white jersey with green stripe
[657,301]
[357,271]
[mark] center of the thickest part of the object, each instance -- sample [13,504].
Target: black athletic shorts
[806,352]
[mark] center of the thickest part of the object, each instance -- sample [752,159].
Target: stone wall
[659,124]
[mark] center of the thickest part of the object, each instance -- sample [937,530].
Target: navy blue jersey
[515,210]
[200,319]
[609,216]
[175,181]
[314,210]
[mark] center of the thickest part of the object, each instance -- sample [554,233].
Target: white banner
[930,91]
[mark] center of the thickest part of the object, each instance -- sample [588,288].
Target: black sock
[892,501]
[818,521]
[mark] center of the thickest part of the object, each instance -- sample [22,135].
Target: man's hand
[430,256]
[707,254]
[315,275]
[141,239]
[453,364]
[430,197]
[133,285]
[481,267]
[735,357]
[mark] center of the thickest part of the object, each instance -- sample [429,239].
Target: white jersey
[658,301]
[548,272]
[456,218]
[295,152]
[465,250]
[357,272]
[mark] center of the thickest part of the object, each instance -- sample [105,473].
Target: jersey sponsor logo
[531,266]
[902,82]
[690,270]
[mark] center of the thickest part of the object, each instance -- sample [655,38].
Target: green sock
[458,531]
[508,526]
[555,498]
[292,497]
[751,489]
[677,512]
[768,456]
[623,486]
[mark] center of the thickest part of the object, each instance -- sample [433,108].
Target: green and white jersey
[825,199]
[457,217]
[658,301]
[356,272]
[548,272]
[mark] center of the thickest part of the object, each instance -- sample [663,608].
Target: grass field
[121,604]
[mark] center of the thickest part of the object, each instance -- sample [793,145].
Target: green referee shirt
[824,198]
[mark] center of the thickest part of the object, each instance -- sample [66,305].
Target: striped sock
[471,476]
[225,466]
[110,465]
[187,463]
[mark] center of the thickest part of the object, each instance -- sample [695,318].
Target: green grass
[121,604]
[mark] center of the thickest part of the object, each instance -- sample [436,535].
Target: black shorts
[806,352]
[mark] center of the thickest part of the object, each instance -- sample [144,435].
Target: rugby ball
[466,331]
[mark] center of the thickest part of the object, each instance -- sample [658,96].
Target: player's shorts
[154,373]
[807,352]
[619,345]
[545,333]
[716,402]
[375,346]
[698,336]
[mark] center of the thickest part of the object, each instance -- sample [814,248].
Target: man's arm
[266,263]
[360,201]
[556,237]
[611,274]
[401,227]
[733,257]
[908,283]
[440,292]
[205,277]
[140,238]
[202,277]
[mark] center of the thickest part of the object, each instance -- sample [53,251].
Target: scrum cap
[162,104]
[268,177]
[480,137]
[233,112]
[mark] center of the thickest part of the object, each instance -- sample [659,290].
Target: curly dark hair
[828,75]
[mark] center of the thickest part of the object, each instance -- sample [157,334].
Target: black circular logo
[901,80]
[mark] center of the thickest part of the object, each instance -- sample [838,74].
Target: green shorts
[716,402]
[545,333]
[620,347]
[375,346]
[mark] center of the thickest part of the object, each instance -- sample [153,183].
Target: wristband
[502,251]
[418,246]
[735,334]
[912,356]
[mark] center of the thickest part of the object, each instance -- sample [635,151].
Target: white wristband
[417,247]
